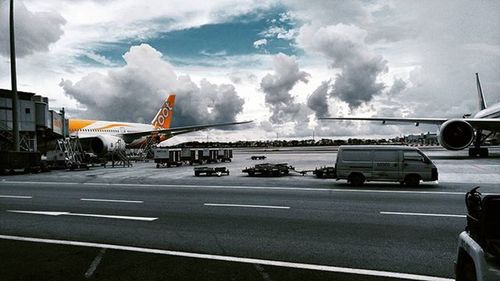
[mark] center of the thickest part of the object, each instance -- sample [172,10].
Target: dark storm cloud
[277,87]
[318,100]
[34,32]
[359,68]
[397,87]
[135,92]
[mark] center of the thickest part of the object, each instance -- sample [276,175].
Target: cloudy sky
[280,63]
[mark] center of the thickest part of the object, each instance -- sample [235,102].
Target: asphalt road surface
[384,228]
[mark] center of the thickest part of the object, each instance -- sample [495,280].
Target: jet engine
[456,134]
[103,144]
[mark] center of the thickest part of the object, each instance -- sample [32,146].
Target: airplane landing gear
[477,150]
[481,152]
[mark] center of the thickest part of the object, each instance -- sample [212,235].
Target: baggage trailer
[160,156]
[186,155]
[225,154]
[210,171]
[258,157]
[174,157]
[203,155]
[167,157]
[267,169]
[213,155]
[196,156]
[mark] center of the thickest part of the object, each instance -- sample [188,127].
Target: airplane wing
[490,124]
[183,130]
[385,120]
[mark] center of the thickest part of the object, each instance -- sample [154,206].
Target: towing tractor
[403,164]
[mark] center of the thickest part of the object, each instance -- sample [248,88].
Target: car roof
[377,147]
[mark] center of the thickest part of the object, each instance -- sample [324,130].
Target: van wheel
[412,180]
[357,180]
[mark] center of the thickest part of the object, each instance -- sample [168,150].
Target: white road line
[49,213]
[16,196]
[423,214]
[95,263]
[245,206]
[347,270]
[112,200]
[247,187]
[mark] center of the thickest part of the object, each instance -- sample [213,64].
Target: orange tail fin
[164,115]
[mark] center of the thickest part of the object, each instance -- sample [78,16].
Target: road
[306,222]
[383,229]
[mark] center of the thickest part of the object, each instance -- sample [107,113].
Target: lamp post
[15,113]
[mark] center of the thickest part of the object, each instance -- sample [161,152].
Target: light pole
[15,113]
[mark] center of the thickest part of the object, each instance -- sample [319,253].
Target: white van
[407,165]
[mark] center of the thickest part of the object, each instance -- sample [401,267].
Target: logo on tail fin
[164,115]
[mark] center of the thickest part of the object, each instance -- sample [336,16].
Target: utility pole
[15,113]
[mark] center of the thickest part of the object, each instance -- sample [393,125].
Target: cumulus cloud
[135,91]
[344,46]
[318,100]
[397,87]
[34,31]
[259,43]
[277,87]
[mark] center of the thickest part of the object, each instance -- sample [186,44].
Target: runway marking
[50,213]
[423,214]
[95,263]
[247,187]
[245,206]
[16,196]
[347,270]
[111,200]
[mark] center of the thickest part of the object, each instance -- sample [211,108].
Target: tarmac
[166,224]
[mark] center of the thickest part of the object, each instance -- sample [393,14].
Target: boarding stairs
[119,156]
[73,151]
[147,148]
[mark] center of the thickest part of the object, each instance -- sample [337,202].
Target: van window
[356,155]
[385,155]
[413,156]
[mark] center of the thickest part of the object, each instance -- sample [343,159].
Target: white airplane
[455,133]
[104,136]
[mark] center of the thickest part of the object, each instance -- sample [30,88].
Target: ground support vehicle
[225,155]
[211,171]
[267,169]
[25,160]
[403,164]
[196,156]
[258,157]
[325,172]
[167,157]
[213,155]
[478,251]
[186,155]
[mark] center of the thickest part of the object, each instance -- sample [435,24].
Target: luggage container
[186,155]
[174,157]
[196,156]
[204,155]
[213,155]
[160,157]
[225,155]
